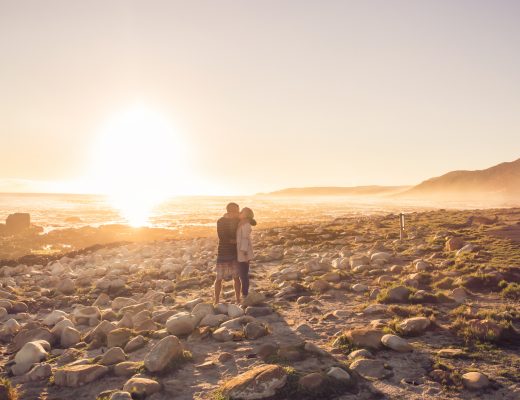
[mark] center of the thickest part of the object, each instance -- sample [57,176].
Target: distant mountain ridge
[500,182]
[373,190]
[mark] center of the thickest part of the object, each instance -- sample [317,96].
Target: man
[227,263]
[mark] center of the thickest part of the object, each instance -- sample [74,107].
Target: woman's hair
[250,215]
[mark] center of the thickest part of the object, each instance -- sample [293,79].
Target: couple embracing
[235,249]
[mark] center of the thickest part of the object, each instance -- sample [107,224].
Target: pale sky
[262,95]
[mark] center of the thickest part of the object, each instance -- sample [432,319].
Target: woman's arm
[245,236]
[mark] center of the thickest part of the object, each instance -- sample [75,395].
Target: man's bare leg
[218,288]
[238,288]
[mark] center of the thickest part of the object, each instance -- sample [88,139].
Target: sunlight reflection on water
[53,211]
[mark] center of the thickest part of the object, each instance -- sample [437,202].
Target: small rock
[127,368]
[223,334]
[459,295]
[255,330]
[54,317]
[66,286]
[86,315]
[163,353]
[39,372]
[120,395]
[360,287]
[234,311]
[312,382]
[258,383]
[118,337]
[78,375]
[365,337]
[370,369]
[339,374]
[414,326]
[450,353]
[258,311]
[70,337]
[253,299]
[135,343]
[454,243]
[396,343]
[225,357]
[362,353]
[142,386]
[398,294]
[475,380]
[114,355]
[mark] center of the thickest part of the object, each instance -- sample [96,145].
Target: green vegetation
[343,343]
[444,283]
[510,291]
[10,390]
[385,298]
[405,311]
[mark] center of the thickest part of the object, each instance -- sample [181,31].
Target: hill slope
[339,191]
[500,182]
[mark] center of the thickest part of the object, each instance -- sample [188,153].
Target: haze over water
[54,211]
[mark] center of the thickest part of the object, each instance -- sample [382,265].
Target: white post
[401,226]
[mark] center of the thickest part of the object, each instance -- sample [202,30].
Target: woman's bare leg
[218,288]
[238,288]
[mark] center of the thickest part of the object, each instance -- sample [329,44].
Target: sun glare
[137,162]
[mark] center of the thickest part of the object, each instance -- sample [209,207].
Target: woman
[245,247]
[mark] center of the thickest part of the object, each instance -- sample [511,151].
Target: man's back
[227,233]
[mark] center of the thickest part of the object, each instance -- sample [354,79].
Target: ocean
[59,211]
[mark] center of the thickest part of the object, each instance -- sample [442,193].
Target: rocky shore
[339,310]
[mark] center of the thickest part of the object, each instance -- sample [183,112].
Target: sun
[138,161]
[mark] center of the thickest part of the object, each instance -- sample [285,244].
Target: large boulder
[181,324]
[258,383]
[163,353]
[31,353]
[29,334]
[78,375]
[17,222]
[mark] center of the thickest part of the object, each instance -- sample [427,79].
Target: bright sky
[257,95]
